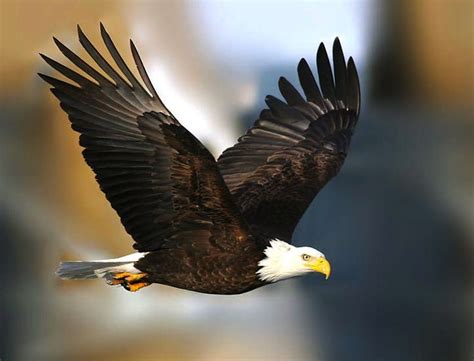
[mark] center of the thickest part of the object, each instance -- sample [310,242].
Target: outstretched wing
[294,148]
[163,183]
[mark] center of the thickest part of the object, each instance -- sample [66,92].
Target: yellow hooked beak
[320,265]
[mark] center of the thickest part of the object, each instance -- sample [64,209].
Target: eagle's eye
[306,257]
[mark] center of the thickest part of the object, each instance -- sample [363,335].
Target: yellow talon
[135,277]
[129,280]
[119,276]
[134,287]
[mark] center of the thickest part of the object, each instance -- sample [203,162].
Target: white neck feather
[281,262]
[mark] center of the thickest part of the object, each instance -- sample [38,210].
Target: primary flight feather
[220,227]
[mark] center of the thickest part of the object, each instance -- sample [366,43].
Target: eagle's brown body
[205,272]
[204,224]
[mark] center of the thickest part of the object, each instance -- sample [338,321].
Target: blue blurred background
[397,223]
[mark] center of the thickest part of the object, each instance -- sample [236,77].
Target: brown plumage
[203,225]
[294,148]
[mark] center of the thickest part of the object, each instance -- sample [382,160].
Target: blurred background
[397,223]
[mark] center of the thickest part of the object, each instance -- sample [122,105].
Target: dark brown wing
[160,179]
[294,148]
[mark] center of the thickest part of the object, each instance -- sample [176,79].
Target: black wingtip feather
[309,85]
[54,64]
[289,92]
[271,98]
[144,75]
[353,101]
[63,48]
[326,80]
[119,60]
[340,72]
[81,64]
[101,61]
[44,77]
[321,51]
[103,31]
[273,102]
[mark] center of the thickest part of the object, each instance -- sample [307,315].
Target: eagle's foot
[134,287]
[130,281]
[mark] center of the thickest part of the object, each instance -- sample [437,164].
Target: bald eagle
[220,227]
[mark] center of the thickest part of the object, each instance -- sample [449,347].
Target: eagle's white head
[284,261]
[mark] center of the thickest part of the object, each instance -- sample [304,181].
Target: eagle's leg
[130,281]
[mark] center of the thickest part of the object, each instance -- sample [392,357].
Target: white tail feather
[98,268]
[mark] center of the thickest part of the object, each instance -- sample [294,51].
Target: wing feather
[309,85]
[340,71]
[325,75]
[163,183]
[294,148]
